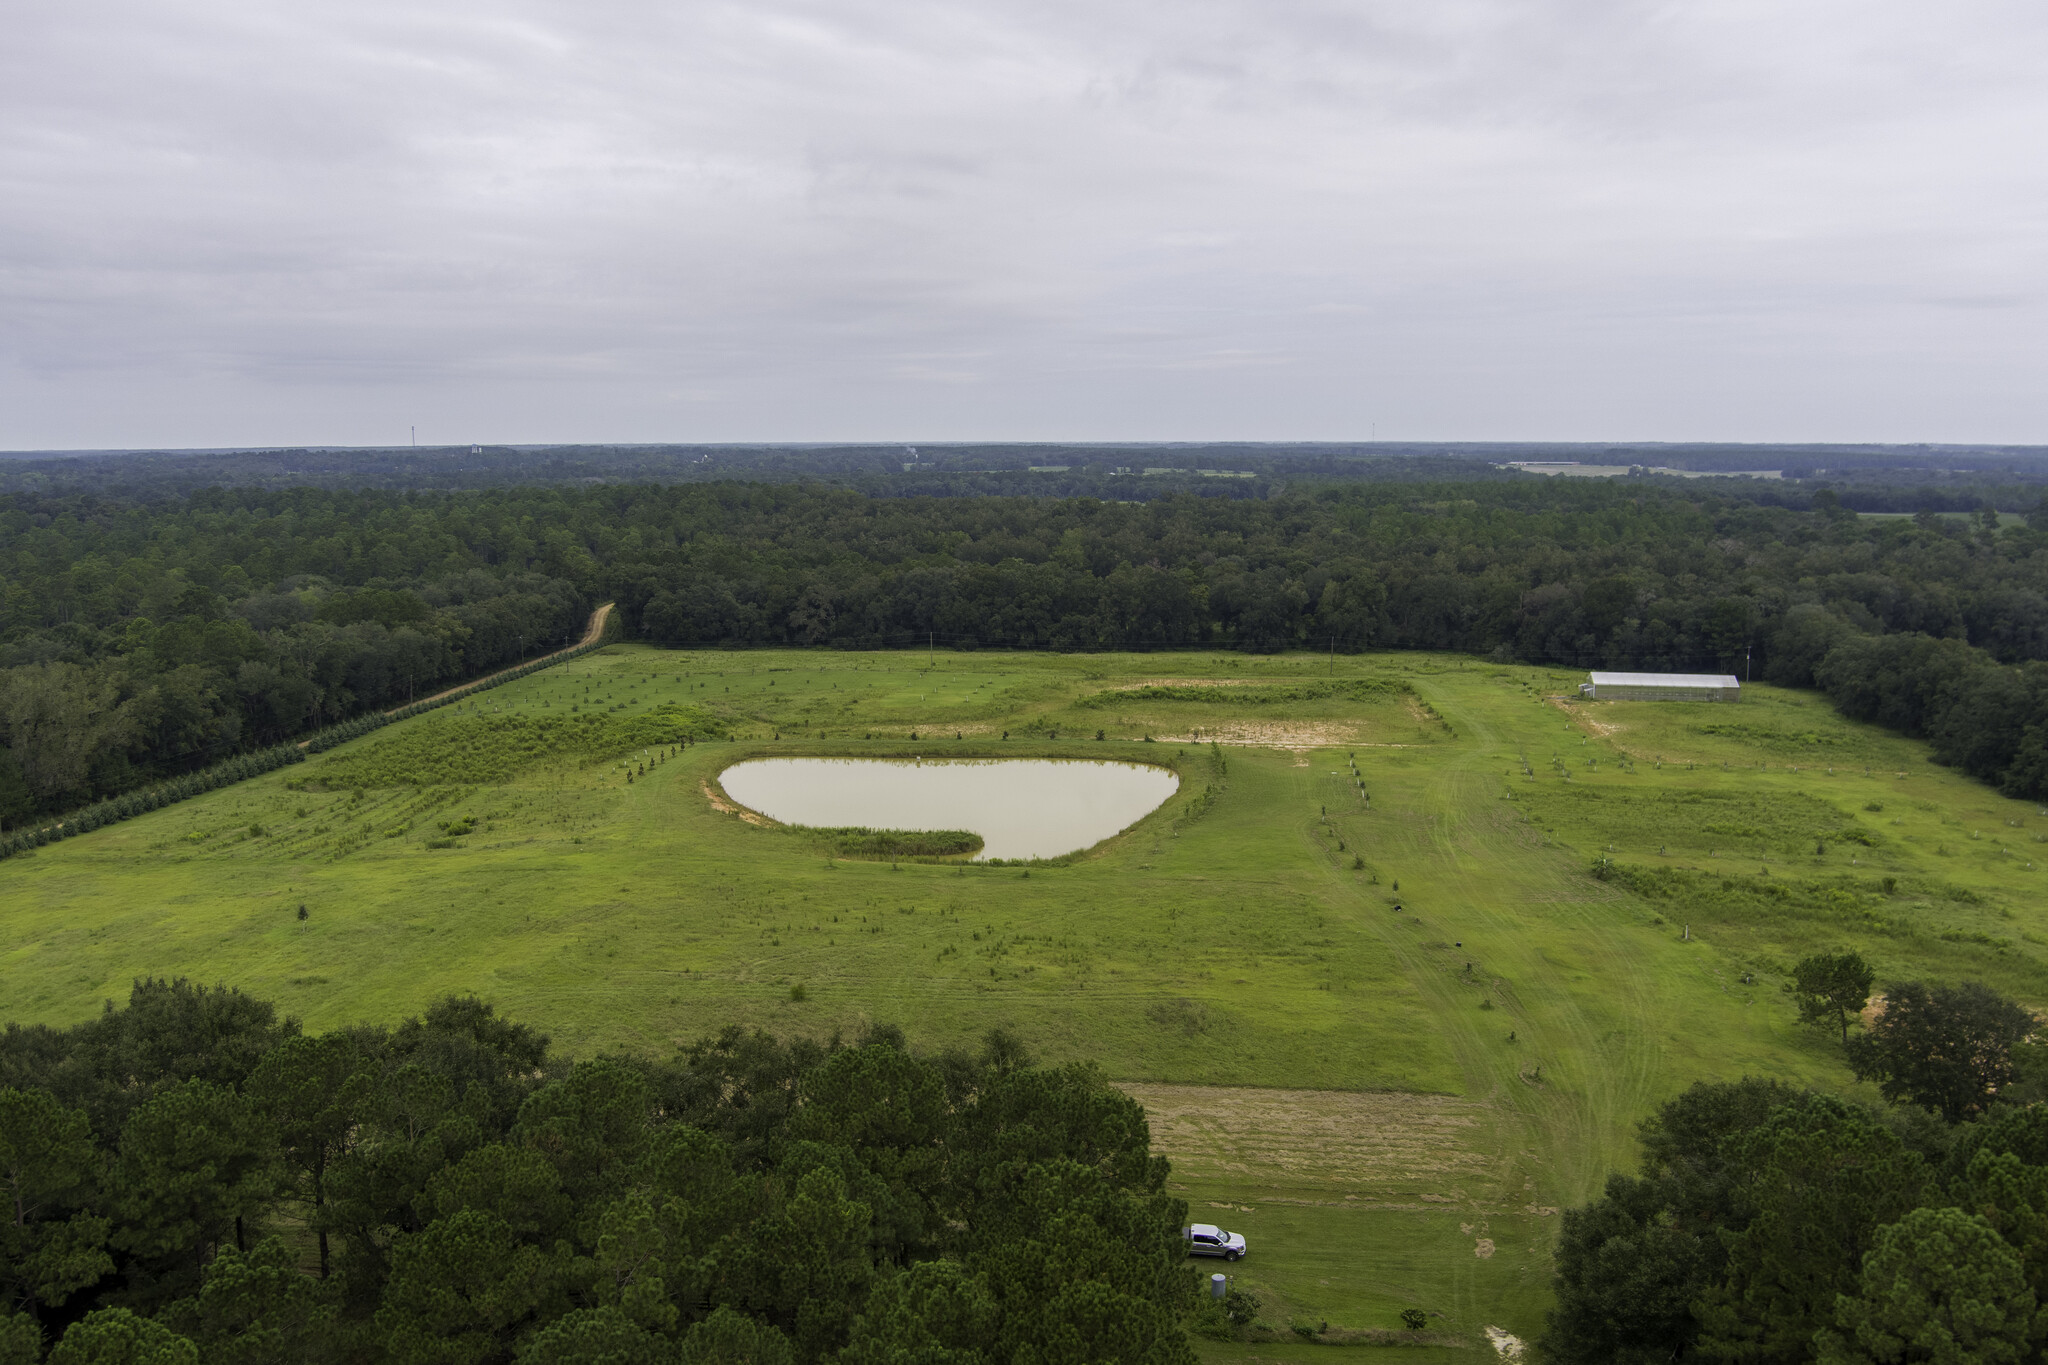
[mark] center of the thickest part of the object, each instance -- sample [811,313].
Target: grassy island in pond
[1395,970]
[896,843]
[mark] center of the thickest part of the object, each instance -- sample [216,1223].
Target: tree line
[192,1177]
[128,805]
[1773,1225]
[97,704]
[143,637]
[1868,477]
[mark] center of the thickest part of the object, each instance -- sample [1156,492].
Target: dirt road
[591,636]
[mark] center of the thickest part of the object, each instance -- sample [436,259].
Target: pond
[1022,808]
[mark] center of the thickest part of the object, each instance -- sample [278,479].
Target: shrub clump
[861,842]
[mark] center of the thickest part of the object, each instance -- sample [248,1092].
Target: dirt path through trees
[591,636]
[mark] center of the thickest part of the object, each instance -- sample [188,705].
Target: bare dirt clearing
[1507,1343]
[1349,1144]
[1580,716]
[725,807]
[1274,735]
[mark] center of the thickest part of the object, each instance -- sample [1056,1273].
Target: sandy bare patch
[1483,1248]
[1188,682]
[1505,1342]
[721,804]
[1581,715]
[1387,1142]
[1272,735]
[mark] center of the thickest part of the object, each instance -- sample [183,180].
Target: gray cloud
[246,223]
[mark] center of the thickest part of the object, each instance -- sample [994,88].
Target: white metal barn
[1661,687]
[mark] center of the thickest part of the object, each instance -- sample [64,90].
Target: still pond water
[1022,808]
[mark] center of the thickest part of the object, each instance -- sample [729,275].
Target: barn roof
[1665,680]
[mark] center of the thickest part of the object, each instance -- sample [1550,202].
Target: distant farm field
[1598,904]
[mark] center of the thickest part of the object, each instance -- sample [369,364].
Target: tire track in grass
[1599,1090]
[1469,870]
[1501,1141]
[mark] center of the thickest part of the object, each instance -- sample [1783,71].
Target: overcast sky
[252,222]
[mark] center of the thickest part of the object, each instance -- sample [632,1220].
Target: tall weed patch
[1728,821]
[1847,901]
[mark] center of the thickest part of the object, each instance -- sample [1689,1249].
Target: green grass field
[1397,1103]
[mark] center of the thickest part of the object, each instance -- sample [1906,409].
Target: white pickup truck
[1206,1239]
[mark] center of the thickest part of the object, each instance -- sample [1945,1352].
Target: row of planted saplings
[647,765]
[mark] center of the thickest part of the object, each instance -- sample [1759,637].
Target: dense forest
[143,637]
[1769,1224]
[192,1177]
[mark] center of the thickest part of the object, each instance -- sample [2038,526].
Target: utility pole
[931,659]
[1745,663]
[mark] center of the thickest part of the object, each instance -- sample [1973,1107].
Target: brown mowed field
[1390,1150]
